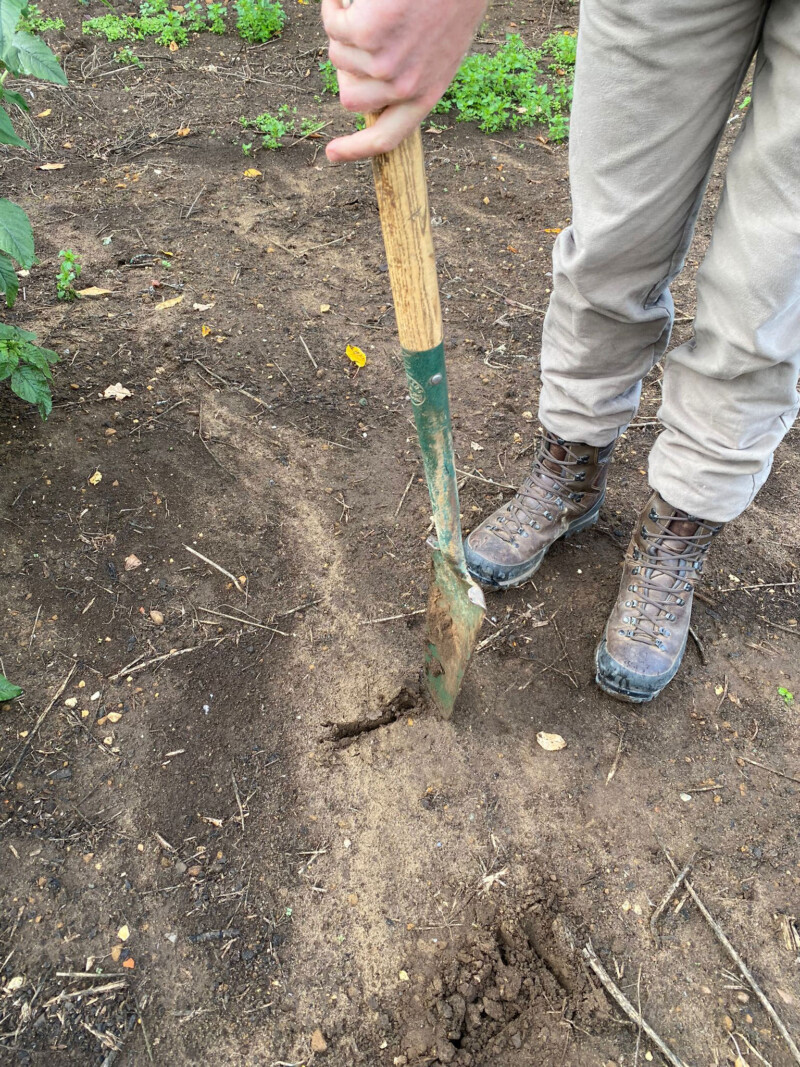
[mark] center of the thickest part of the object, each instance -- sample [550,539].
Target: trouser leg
[731,393]
[654,85]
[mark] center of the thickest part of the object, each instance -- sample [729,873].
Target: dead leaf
[787,998]
[123,933]
[318,1042]
[554,229]
[403,976]
[128,963]
[356,355]
[96,478]
[132,562]
[205,330]
[43,114]
[168,303]
[116,952]
[324,308]
[93,290]
[71,702]
[173,46]
[184,131]
[51,166]
[550,742]
[15,983]
[251,172]
[476,447]
[202,307]
[157,617]
[114,716]
[116,392]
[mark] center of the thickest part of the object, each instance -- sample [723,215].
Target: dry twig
[29,739]
[737,959]
[216,566]
[673,889]
[590,956]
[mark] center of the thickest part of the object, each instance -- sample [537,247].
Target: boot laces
[538,497]
[678,557]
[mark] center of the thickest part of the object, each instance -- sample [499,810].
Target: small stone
[318,1042]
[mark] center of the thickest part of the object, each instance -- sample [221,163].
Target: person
[654,87]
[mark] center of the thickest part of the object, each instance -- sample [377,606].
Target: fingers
[363,94]
[338,21]
[394,124]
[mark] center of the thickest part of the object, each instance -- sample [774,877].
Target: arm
[397,57]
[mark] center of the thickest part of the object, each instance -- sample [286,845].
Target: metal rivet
[435,379]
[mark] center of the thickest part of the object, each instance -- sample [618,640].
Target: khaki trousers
[654,87]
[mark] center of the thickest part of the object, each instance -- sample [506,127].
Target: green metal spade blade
[455,602]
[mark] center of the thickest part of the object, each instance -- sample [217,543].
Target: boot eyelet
[536,526]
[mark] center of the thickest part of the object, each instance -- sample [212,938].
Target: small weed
[128,57]
[269,126]
[330,79]
[157,19]
[745,103]
[505,90]
[68,273]
[33,21]
[785,695]
[8,691]
[259,20]
[308,127]
[247,149]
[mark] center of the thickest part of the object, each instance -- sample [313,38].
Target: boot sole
[611,677]
[521,576]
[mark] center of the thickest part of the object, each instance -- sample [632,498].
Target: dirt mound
[508,994]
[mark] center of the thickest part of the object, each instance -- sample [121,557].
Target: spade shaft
[455,603]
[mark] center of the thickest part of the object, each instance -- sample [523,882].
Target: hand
[397,57]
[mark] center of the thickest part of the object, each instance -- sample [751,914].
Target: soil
[237,817]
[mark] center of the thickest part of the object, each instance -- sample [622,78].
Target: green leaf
[10,11]
[14,98]
[36,357]
[9,282]
[14,333]
[8,691]
[9,361]
[16,236]
[36,59]
[7,135]
[31,385]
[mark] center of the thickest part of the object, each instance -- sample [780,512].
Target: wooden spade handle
[406,222]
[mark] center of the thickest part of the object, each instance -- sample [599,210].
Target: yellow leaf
[555,229]
[403,976]
[324,308]
[357,356]
[43,114]
[52,166]
[550,742]
[184,131]
[168,303]
[205,330]
[719,690]
[251,172]
[96,478]
[93,290]
[123,933]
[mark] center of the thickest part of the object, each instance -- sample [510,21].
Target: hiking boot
[646,634]
[561,496]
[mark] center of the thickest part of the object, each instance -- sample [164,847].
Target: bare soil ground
[409,894]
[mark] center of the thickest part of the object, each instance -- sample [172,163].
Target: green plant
[247,149]
[506,90]
[785,695]
[22,363]
[745,103]
[158,20]
[68,273]
[259,20]
[33,21]
[27,365]
[310,126]
[8,691]
[128,57]
[330,79]
[270,126]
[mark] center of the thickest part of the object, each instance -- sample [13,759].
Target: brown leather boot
[646,634]
[561,496]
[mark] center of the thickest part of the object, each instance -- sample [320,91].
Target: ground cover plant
[505,89]
[257,21]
